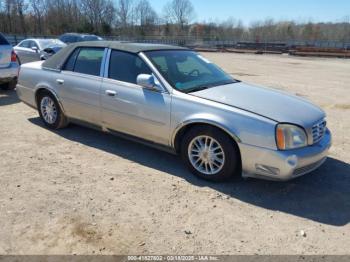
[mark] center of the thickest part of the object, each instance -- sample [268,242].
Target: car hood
[266,102]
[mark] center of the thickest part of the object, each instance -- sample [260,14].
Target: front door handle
[111,93]
[60,81]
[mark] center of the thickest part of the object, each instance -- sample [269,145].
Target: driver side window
[25,44]
[126,67]
[33,44]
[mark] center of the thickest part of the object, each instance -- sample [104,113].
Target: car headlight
[290,137]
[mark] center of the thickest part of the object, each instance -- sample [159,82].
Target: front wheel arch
[185,128]
[181,133]
[218,134]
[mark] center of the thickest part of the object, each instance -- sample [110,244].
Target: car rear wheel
[210,153]
[50,111]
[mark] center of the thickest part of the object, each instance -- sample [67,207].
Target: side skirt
[145,142]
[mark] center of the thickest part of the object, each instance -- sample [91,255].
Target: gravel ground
[79,191]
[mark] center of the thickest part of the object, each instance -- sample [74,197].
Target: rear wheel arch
[43,89]
[60,120]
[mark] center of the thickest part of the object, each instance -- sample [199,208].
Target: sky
[251,10]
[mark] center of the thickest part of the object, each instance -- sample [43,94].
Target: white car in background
[9,65]
[31,50]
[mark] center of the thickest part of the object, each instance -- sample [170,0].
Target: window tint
[3,40]
[126,67]
[162,63]
[69,66]
[89,61]
[188,71]
[25,44]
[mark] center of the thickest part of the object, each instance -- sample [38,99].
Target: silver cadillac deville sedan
[175,99]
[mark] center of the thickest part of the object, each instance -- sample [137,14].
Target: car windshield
[45,43]
[188,71]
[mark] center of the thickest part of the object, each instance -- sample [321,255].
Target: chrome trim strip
[106,63]
[201,121]
[102,69]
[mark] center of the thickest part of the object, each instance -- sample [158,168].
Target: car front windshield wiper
[197,88]
[203,87]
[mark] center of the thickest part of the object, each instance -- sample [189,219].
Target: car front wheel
[210,153]
[50,111]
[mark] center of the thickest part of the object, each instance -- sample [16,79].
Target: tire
[224,156]
[10,85]
[50,112]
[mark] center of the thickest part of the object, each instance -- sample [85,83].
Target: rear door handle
[111,93]
[60,81]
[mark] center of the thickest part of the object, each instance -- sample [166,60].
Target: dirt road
[79,191]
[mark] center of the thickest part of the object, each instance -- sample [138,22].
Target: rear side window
[85,61]
[126,67]
[3,40]
[71,61]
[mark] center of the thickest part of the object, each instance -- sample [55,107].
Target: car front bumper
[7,74]
[284,165]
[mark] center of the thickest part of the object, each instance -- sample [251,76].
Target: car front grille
[318,131]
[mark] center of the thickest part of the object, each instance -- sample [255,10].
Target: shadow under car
[322,196]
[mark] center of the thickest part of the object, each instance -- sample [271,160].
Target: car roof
[39,39]
[127,46]
[57,61]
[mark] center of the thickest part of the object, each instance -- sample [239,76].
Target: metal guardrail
[194,42]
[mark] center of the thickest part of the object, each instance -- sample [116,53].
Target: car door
[129,108]
[79,84]
[26,53]
[34,51]
[22,50]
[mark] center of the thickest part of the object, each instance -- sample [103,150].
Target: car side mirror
[147,82]
[34,48]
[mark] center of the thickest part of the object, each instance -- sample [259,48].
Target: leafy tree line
[138,19]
